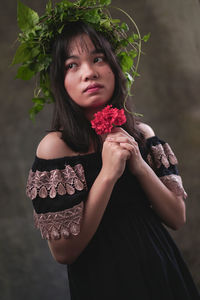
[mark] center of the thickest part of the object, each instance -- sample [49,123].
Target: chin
[92,109]
[99,104]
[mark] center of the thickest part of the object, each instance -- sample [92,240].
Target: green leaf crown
[38,33]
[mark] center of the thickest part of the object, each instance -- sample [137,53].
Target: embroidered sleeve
[58,199]
[164,162]
[53,225]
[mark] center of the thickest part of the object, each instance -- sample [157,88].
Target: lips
[93,87]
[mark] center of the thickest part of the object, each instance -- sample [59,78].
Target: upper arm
[146,130]
[52,146]
[58,189]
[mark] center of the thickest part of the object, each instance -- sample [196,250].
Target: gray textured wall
[167,94]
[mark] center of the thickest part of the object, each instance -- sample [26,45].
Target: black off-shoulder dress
[131,256]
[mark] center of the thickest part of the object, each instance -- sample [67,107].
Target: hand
[124,140]
[114,158]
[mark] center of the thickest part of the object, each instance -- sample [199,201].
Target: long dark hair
[68,117]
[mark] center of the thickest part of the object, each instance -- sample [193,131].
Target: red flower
[105,119]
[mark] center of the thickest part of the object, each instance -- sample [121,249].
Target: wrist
[107,178]
[140,170]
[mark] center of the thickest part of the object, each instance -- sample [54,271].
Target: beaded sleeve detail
[161,155]
[51,183]
[163,161]
[58,193]
[174,183]
[54,225]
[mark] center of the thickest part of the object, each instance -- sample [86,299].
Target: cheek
[68,84]
[111,80]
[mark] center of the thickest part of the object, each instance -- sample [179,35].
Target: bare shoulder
[146,130]
[52,146]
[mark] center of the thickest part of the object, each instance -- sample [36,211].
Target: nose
[89,72]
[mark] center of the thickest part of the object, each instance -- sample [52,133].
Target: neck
[89,112]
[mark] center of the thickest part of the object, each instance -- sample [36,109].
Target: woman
[101,200]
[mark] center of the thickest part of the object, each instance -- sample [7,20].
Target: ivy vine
[38,33]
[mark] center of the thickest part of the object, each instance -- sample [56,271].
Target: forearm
[67,250]
[169,207]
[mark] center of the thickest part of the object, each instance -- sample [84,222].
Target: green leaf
[83,3]
[123,43]
[25,73]
[135,36]
[130,39]
[49,7]
[105,2]
[62,16]
[38,100]
[37,67]
[65,4]
[135,74]
[105,23]
[24,54]
[26,17]
[146,37]
[126,61]
[116,21]
[133,53]
[21,54]
[61,29]
[124,27]
[38,106]
[92,16]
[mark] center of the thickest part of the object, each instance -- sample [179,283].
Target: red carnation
[108,117]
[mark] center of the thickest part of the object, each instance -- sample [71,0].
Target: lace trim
[51,183]
[174,183]
[161,155]
[54,225]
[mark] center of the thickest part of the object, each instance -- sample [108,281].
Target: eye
[71,66]
[98,59]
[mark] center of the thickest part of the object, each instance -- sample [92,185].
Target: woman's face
[89,80]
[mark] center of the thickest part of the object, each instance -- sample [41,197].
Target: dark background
[167,93]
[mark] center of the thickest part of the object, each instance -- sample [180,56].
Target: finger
[114,135]
[120,130]
[127,154]
[116,138]
[119,133]
[103,137]
[128,147]
[122,139]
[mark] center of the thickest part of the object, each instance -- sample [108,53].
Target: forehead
[81,44]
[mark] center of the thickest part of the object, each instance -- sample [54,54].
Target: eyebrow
[96,51]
